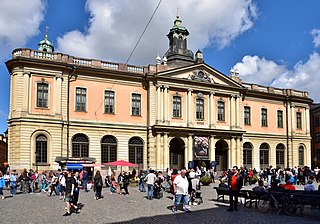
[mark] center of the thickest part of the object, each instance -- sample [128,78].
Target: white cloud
[302,77]
[316,37]
[115,26]
[19,20]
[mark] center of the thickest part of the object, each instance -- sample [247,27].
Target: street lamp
[70,76]
[37,159]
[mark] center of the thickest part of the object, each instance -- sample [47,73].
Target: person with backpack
[98,185]
[62,186]
[2,185]
[235,185]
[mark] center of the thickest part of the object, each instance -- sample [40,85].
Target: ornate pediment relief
[201,76]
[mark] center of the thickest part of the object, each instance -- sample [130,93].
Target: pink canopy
[120,163]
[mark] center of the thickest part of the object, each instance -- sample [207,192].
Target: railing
[43,55]
[109,65]
[135,69]
[28,53]
[83,62]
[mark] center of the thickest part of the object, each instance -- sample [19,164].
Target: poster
[201,147]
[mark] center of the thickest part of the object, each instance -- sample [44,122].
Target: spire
[46,45]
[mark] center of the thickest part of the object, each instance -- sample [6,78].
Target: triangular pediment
[201,73]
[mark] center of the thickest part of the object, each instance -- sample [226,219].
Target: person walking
[76,192]
[13,184]
[150,178]
[141,181]
[2,185]
[98,185]
[70,185]
[85,181]
[125,182]
[235,185]
[180,191]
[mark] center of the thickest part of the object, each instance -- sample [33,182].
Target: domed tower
[46,45]
[178,54]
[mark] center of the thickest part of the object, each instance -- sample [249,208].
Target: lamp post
[70,76]
[37,159]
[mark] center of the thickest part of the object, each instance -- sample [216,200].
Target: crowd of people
[181,183]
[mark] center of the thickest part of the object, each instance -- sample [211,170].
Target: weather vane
[47,28]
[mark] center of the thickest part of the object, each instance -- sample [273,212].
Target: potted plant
[205,181]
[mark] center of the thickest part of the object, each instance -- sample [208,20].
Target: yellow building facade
[179,112]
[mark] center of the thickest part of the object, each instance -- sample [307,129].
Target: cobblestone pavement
[135,208]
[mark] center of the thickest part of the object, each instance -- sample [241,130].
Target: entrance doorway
[221,155]
[177,153]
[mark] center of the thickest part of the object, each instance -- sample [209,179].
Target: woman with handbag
[98,185]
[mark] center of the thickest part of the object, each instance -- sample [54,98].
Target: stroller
[195,195]
[157,191]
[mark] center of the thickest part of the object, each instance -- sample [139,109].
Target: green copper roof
[178,27]
[46,45]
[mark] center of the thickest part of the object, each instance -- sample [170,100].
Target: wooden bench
[221,192]
[251,197]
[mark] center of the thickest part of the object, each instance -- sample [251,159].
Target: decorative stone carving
[200,76]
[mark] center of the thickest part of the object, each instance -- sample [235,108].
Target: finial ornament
[47,29]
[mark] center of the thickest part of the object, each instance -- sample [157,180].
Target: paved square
[135,208]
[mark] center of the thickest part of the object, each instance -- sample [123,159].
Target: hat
[234,167]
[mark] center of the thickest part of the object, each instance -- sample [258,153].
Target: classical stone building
[3,150]
[177,113]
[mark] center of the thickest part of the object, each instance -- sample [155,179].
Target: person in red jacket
[235,184]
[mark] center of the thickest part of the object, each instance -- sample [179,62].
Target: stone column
[158,151]
[211,110]
[189,109]
[229,153]
[159,118]
[238,110]
[165,163]
[161,105]
[307,120]
[212,149]
[239,151]
[230,111]
[190,147]
[233,152]
[26,87]
[57,95]
[165,105]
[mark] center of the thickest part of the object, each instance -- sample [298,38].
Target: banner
[201,147]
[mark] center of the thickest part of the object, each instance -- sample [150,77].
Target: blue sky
[270,42]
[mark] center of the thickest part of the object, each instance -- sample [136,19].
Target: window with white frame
[109,102]
[221,111]
[176,106]
[81,99]
[42,95]
[136,104]
[199,109]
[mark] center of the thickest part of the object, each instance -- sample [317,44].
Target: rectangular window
[199,109]
[109,102]
[247,115]
[280,118]
[317,137]
[221,111]
[317,122]
[136,104]
[264,117]
[81,99]
[318,153]
[176,106]
[42,95]
[299,124]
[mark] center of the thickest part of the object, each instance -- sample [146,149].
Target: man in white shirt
[150,178]
[180,189]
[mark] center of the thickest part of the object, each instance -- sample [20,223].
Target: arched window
[80,146]
[280,155]
[136,151]
[108,149]
[41,149]
[264,155]
[301,155]
[247,155]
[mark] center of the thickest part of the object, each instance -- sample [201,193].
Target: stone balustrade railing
[59,57]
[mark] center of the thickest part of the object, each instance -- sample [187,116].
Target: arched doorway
[221,155]
[177,153]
